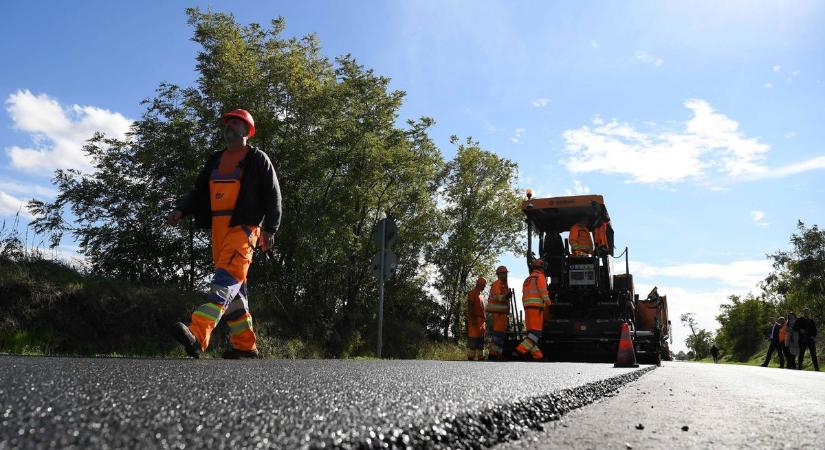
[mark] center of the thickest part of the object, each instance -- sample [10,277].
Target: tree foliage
[483,219]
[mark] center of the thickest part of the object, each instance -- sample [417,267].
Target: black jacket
[259,200]
[807,324]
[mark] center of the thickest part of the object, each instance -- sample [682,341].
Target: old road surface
[157,403]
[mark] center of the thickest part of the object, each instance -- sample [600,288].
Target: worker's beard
[232,138]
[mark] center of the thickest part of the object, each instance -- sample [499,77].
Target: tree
[744,323]
[700,340]
[799,278]
[482,215]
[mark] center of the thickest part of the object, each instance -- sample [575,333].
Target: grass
[759,357]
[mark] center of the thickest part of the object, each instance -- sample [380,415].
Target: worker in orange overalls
[476,326]
[535,298]
[581,243]
[499,308]
[237,195]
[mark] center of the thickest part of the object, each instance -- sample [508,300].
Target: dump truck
[590,298]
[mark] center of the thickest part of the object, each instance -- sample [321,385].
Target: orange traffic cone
[626,357]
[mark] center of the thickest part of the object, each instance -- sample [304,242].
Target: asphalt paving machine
[590,299]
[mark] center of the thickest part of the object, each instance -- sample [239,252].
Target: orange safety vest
[600,233]
[499,305]
[580,240]
[534,291]
[475,314]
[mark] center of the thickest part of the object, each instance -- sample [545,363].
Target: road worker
[581,243]
[535,298]
[476,325]
[499,309]
[237,195]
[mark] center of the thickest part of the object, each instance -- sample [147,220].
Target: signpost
[383,265]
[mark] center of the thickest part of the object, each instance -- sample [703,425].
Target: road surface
[129,403]
[722,406]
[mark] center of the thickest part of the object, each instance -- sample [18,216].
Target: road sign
[390,264]
[390,232]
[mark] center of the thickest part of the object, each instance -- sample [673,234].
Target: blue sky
[701,124]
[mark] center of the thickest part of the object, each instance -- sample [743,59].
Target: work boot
[182,334]
[241,354]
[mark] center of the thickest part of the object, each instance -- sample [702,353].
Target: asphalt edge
[489,426]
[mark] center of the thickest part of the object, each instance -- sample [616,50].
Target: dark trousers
[775,346]
[809,344]
[788,356]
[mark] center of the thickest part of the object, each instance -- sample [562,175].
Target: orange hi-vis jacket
[580,240]
[534,297]
[476,325]
[499,305]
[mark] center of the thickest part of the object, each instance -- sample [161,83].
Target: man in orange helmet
[581,243]
[237,195]
[499,308]
[476,326]
[534,297]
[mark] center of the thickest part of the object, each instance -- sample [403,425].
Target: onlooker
[791,341]
[773,337]
[714,351]
[780,346]
[807,338]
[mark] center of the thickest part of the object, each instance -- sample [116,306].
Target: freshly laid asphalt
[167,403]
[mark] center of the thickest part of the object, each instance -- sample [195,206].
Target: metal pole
[381,289]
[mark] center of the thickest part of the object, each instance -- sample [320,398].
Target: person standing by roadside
[780,345]
[791,341]
[773,337]
[807,338]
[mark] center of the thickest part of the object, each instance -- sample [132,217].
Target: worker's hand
[174,217]
[267,241]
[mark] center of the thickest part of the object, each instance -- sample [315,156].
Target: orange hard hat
[243,115]
[481,280]
[501,269]
[537,263]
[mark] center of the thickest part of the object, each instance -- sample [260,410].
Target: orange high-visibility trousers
[232,249]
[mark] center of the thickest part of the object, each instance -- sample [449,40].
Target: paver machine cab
[589,301]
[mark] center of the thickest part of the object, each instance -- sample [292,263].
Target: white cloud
[768,86]
[57,132]
[746,274]
[649,58]
[27,190]
[790,135]
[594,44]
[540,102]
[578,189]
[709,144]
[758,217]
[10,205]
[517,137]
[815,163]
[777,68]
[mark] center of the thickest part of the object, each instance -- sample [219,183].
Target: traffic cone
[626,357]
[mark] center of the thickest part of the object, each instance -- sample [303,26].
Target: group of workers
[535,299]
[791,338]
